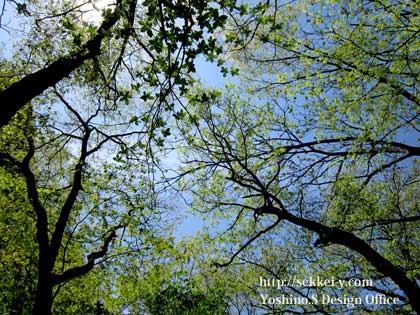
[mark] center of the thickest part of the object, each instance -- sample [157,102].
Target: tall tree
[99,96]
[78,197]
[325,124]
[254,169]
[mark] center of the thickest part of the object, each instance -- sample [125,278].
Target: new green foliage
[320,134]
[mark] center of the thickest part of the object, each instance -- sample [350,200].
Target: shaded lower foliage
[185,298]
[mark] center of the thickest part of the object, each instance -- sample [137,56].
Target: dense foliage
[304,165]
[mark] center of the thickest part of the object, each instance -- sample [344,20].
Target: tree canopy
[303,164]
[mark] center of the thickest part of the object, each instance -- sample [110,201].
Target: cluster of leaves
[316,139]
[319,139]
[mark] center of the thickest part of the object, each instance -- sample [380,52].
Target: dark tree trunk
[44,291]
[336,236]
[23,91]
[383,265]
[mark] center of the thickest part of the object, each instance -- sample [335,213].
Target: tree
[185,299]
[177,281]
[96,115]
[72,201]
[69,211]
[17,259]
[318,135]
[311,147]
[237,166]
[166,34]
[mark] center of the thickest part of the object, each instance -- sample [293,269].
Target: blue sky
[207,72]
[210,76]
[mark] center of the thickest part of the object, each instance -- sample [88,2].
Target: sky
[93,9]
[208,73]
[210,76]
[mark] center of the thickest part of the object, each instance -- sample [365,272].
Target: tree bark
[44,291]
[336,236]
[21,92]
[383,265]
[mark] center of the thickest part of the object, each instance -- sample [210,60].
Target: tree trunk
[383,265]
[43,297]
[23,91]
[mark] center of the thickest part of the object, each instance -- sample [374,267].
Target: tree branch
[336,236]
[71,198]
[244,246]
[91,258]
[32,192]
[18,94]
